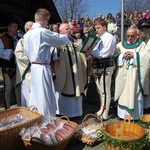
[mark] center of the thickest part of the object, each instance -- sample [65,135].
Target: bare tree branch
[71,8]
[140,5]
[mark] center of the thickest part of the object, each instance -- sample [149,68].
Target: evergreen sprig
[123,145]
[143,123]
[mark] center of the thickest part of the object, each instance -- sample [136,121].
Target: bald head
[64,28]
[132,35]
[28,25]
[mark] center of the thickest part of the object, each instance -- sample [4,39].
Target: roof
[24,10]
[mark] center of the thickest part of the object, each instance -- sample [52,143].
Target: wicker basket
[123,130]
[9,138]
[86,138]
[38,145]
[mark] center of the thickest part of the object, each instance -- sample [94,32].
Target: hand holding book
[89,43]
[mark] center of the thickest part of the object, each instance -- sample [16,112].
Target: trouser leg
[18,94]
[8,86]
[108,94]
[100,87]
[97,81]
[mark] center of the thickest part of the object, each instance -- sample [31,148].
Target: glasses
[132,36]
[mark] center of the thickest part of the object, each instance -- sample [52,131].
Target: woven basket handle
[64,117]
[33,139]
[33,108]
[84,119]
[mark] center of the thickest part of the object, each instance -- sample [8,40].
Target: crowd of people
[48,70]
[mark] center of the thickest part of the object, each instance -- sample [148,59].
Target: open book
[90,42]
[5,54]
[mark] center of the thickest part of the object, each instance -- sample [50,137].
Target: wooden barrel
[146,120]
[145,117]
[125,131]
[109,147]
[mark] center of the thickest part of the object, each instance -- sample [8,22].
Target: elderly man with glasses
[131,81]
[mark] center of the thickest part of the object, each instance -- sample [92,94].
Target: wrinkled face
[132,36]
[100,29]
[65,29]
[13,28]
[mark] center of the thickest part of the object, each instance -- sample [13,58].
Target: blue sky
[103,6]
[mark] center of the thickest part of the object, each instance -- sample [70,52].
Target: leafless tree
[140,5]
[146,4]
[71,8]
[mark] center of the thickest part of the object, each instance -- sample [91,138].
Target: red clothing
[74,26]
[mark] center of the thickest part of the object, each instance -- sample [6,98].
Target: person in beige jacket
[131,81]
[71,78]
[23,75]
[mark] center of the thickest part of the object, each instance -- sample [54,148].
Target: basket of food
[51,133]
[11,123]
[124,135]
[88,134]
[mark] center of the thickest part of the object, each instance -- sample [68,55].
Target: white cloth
[70,106]
[67,106]
[138,111]
[112,28]
[22,64]
[25,94]
[147,98]
[100,89]
[106,46]
[57,95]
[37,43]
[127,89]
[148,43]
[42,90]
